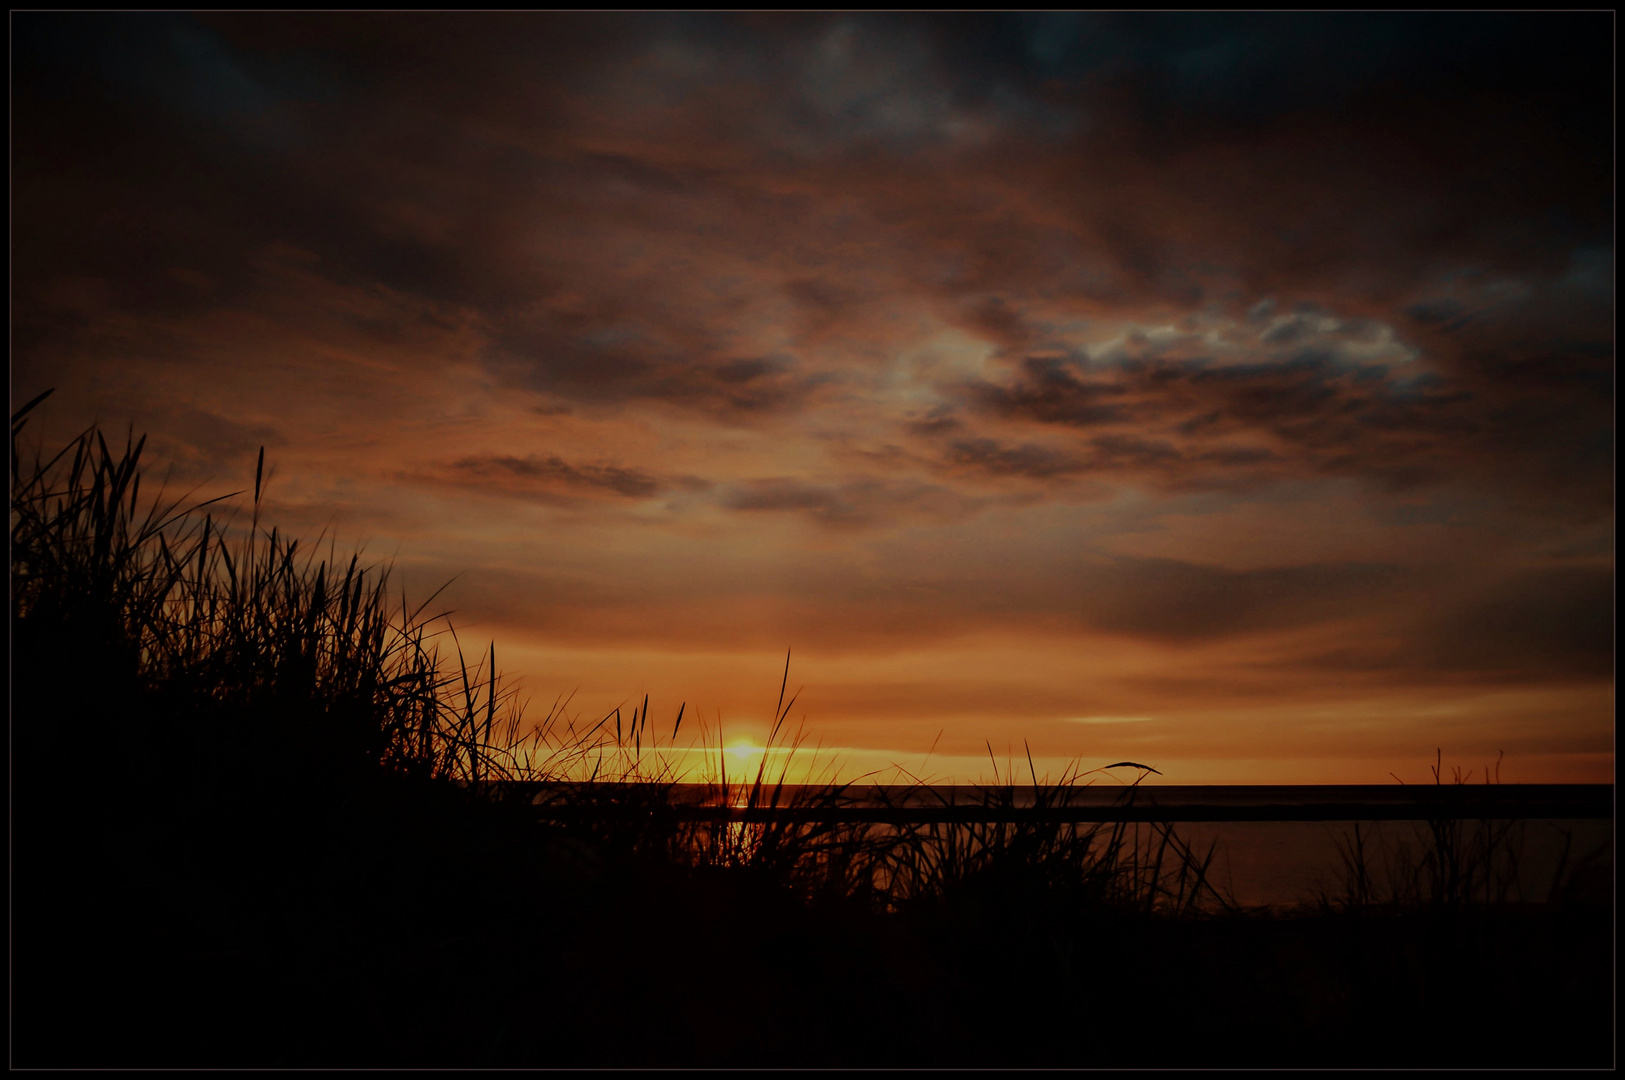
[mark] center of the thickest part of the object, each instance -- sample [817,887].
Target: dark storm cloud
[1319,149]
[436,157]
[604,197]
[165,60]
[1251,67]
[211,196]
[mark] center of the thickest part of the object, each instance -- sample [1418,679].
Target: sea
[1552,837]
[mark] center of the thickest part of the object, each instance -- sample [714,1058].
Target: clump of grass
[161,596]
[231,750]
[627,786]
[809,856]
[1022,836]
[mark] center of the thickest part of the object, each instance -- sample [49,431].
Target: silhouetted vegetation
[266,813]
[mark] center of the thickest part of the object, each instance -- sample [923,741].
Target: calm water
[1285,863]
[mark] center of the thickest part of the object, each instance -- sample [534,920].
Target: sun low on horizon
[1232,394]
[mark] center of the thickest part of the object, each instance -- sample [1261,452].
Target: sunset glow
[1099,387]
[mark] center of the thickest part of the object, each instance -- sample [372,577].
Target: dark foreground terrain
[293,907]
[407,927]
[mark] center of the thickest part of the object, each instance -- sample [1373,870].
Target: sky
[1228,393]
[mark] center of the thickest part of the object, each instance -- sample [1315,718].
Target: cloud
[1275,352]
[855,503]
[1173,599]
[1206,421]
[1109,719]
[535,475]
[1028,460]
[1048,391]
[1553,621]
